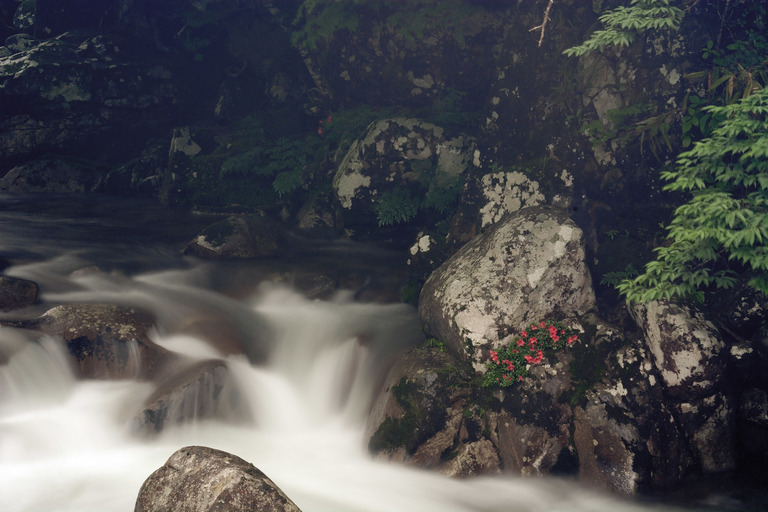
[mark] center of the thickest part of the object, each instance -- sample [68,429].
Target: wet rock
[201,479]
[46,175]
[320,218]
[525,268]
[19,42]
[17,293]
[411,408]
[238,236]
[106,341]
[201,391]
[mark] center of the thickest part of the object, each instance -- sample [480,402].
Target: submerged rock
[17,293]
[201,391]
[201,479]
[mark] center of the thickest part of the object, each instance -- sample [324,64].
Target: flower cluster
[510,363]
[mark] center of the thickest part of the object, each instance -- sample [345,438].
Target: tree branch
[543,26]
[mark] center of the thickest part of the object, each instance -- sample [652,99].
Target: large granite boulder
[525,268]
[623,428]
[201,479]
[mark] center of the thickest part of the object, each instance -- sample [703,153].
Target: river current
[66,444]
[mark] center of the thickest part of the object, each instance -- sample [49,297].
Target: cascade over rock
[105,340]
[527,267]
[199,391]
[201,479]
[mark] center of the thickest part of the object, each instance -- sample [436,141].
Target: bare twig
[543,26]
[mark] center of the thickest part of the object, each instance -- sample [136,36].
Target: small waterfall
[38,371]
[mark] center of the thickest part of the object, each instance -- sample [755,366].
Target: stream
[67,444]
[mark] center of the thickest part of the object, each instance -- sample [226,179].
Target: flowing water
[310,367]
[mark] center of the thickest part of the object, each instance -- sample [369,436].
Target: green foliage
[284,161]
[510,364]
[623,24]
[317,21]
[435,190]
[396,206]
[450,16]
[435,344]
[615,278]
[721,234]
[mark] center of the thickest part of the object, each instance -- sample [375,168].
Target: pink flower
[542,324]
[523,334]
[520,342]
[535,360]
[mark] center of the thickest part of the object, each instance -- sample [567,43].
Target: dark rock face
[54,176]
[201,479]
[17,293]
[242,236]
[200,391]
[66,94]
[523,269]
[688,353]
[423,418]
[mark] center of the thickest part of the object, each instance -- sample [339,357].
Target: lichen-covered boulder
[397,167]
[238,236]
[17,293]
[528,267]
[689,355]
[624,431]
[201,479]
[199,391]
